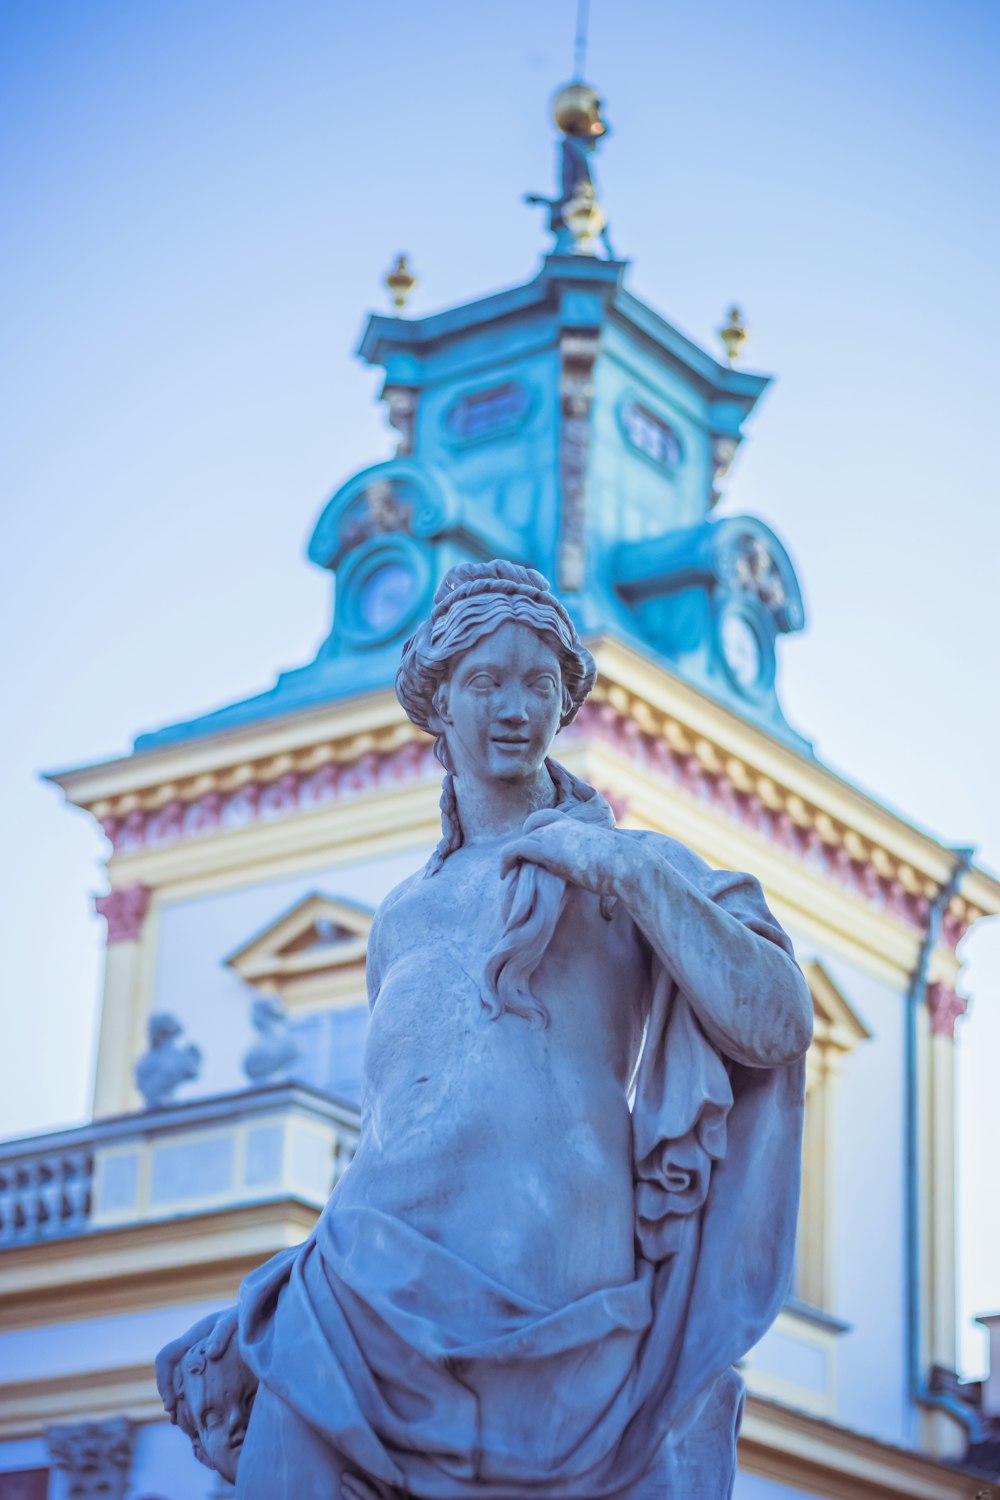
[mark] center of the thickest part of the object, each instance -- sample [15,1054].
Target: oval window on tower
[653,437]
[386,596]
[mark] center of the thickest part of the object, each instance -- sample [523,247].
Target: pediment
[837,1024]
[311,953]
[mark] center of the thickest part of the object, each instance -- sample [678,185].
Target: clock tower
[566,424]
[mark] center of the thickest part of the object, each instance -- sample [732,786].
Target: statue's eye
[209,1418]
[482,682]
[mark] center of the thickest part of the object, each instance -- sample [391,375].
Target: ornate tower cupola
[566,424]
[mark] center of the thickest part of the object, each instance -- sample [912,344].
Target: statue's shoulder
[673,851]
[397,896]
[380,937]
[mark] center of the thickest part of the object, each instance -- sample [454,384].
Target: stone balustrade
[276,1141]
[46,1193]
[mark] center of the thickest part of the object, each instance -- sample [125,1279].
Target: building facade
[566,424]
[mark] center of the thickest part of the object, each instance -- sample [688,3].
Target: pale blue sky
[199,204]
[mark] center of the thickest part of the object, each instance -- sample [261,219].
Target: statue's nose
[512,708]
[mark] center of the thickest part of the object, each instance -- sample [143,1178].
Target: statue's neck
[497,809]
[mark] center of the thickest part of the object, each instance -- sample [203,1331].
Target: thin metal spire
[580,41]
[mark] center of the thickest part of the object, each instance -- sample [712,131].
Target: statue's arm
[711,930]
[714,934]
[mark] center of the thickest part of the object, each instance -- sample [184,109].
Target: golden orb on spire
[576,110]
[734,334]
[400,280]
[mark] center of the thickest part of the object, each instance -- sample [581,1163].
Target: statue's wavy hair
[472,601]
[194,1362]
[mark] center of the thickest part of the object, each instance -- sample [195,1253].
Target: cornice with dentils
[358,747]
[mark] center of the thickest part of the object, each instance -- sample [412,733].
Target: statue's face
[501,704]
[220,1399]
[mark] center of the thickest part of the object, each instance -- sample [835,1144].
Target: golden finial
[584,217]
[400,281]
[734,334]
[576,110]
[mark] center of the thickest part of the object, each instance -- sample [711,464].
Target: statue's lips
[509,740]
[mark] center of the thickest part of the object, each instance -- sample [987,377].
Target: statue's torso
[509,1143]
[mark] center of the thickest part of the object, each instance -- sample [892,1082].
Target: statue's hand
[216,1330]
[594,858]
[223,1333]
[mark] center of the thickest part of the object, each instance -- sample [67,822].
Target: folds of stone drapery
[424,1373]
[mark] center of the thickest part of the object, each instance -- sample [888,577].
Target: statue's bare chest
[434,946]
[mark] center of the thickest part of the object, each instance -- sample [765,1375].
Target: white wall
[93,1343]
[869,1273]
[164,1468]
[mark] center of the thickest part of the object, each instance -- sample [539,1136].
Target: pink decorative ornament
[945,1007]
[726,797]
[953,930]
[753,812]
[903,906]
[124,910]
[783,832]
[204,815]
[360,777]
[167,824]
[692,777]
[404,764]
[320,787]
[279,797]
[241,807]
[132,833]
[664,759]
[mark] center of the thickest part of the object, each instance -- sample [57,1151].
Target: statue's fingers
[516,853]
[510,858]
[171,1354]
[530,849]
[222,1333]
[539,819]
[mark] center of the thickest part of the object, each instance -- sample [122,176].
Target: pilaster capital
[96,1457]
[945,1007]
[124,910]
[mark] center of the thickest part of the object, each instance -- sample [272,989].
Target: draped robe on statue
[377,1344]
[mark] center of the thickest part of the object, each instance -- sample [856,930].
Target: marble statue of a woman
[573,1203]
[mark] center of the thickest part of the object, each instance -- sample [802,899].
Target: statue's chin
[511,763]
[513,775]
[227,1468]
[224,1461]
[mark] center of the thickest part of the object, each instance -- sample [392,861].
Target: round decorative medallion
[741,649]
